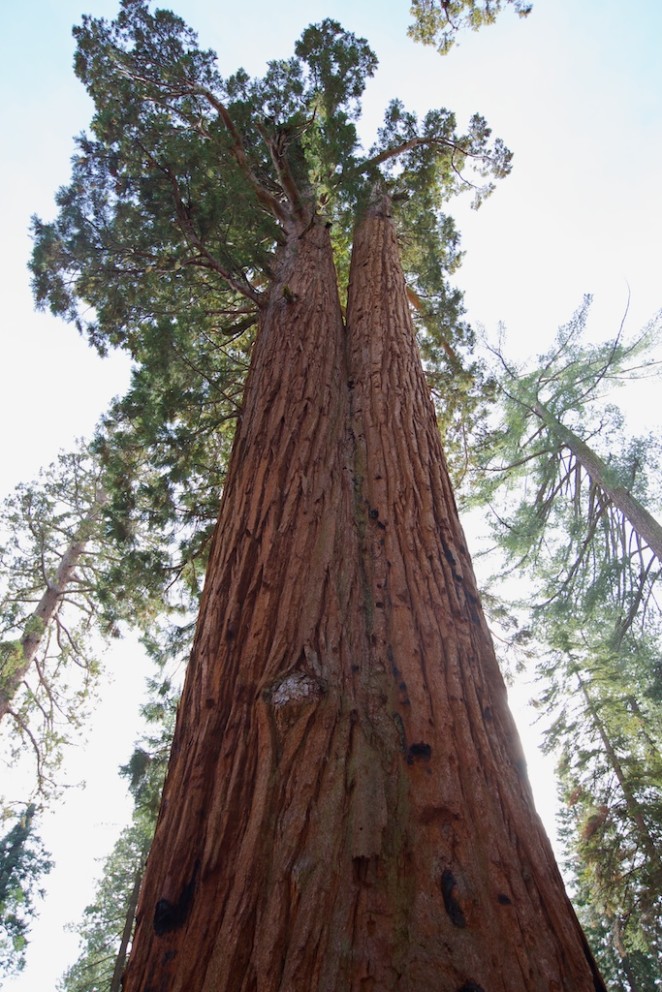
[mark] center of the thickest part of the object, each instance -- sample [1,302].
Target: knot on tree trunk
[296,689]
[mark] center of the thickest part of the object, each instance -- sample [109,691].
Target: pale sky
[575,91]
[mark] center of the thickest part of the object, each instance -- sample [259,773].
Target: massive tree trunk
[347,805]
[487,908]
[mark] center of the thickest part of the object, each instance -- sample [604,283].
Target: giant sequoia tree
[347,804]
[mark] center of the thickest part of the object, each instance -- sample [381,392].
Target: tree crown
[189,182]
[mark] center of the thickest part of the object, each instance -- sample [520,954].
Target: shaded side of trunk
[641,521]
[486,907]
[38,622]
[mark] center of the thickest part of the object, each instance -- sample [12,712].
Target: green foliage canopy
[23,862]
[555,474]
[438,22]
[107,925]
[189,185]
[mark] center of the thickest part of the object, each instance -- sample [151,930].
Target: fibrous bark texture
[347,805]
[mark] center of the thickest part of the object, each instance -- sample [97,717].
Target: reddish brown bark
[347,806]
[489,909]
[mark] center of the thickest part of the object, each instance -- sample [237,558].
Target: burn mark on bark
[449,892]
[360,869]
[418,752]
[373,514]
[474,607]
[169,916]
[504,899]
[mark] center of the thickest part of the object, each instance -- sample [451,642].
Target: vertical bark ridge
[262,705]
[489,906]
[346,805]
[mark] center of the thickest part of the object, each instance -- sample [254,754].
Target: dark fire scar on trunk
[169,916]
[449,893]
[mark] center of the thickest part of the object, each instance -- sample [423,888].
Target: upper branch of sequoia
[439,22]
[187,175]
[442,146]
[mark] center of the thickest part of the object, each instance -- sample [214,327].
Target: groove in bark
[344,743]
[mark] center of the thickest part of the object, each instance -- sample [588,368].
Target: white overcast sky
[576,93]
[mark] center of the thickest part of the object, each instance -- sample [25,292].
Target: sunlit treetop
[439,22]
[188,182]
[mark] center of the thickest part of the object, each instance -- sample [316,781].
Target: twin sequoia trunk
[347,805]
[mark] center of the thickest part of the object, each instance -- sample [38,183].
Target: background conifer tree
[573,498]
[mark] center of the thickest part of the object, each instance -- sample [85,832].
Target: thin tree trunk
[37,624]
[630,977]
[629,974]
[634,813]
[643,522]
[125,940]
[346,806]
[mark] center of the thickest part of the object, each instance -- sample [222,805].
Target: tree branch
[187,227]
[407,146]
